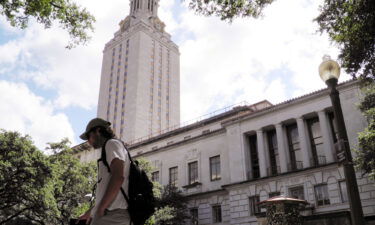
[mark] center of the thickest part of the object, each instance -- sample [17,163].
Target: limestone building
[140,77]
[227,163]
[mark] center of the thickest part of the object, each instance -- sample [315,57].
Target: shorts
[113,217]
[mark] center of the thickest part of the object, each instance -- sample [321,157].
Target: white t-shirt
[114,149]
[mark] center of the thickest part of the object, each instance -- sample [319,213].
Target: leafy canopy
[365,155]
[71,17]
[351,25]
[40,189]
[229,9]
[71,181]
[171,204]
[24,176]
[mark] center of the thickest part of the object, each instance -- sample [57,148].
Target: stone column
[303,142]
[327,137]
[281,147]
[261,154]
[236,159]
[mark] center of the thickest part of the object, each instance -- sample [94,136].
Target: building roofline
[289,102]
[234,111]
[242,112]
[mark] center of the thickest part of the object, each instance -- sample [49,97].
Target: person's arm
[114,185]
[86,216]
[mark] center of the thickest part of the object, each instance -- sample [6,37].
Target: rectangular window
[273,153]
[215,170]
[255,172]
[253,206]
[193,172]
[155,176]
[321,195]
[316,142]
[332,123]
[216,214]
[194,216]
[273,194]
[343,191]
[173,176]
[297,192]
[294,148]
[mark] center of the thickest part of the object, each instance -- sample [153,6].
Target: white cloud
[228,63]
[73,74]
[23,111]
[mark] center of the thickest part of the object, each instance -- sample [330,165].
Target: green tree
[171,204]
[24,175]
[71,181]
[172,207]
[365,157]
[71,17]
[40,189]
[229,9]
[350,24]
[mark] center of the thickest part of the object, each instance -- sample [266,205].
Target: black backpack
[141,200]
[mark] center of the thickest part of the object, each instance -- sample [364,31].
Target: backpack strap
[103,157]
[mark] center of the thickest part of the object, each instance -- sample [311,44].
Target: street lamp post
[329,71]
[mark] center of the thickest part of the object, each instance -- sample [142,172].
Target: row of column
[304,142]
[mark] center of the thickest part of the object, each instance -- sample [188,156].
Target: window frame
[158,176]
[218,171]
[191,179]
[290,189]
[309,123]
[254,158]
[274,194]
[194,220]
[175,182]
[273,152]
[217,218]
[291,146]
[254,208]
[325,201]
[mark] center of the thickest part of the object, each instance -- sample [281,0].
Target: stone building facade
[140,79]
[227,163]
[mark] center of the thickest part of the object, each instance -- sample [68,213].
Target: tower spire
[145,7]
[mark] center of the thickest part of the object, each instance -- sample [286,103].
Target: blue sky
[50,92]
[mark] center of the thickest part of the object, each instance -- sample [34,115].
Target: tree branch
[15,215]
[56,6]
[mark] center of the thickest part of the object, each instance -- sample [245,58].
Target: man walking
[110,205]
